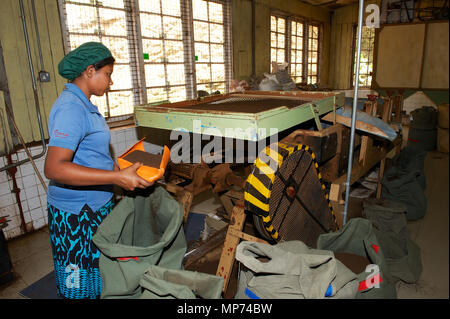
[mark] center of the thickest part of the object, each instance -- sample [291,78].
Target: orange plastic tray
[149,173]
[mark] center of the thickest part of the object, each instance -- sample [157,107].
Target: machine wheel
[285,193]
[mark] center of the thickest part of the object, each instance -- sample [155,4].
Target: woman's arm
[59,167]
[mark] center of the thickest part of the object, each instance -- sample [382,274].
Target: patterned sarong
[75,257]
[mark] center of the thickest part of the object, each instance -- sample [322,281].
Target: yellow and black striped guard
[259,183]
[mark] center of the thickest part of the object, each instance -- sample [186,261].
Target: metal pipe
[33,77]
[355,104]
[36,99]
[33,8]
[26,150]
[16,190]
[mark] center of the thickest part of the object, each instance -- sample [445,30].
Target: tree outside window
[366,56]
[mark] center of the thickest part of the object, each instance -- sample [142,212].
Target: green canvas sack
[294,271]
[358,237]
[163,283]
[422,134]
[390,226]
[405,182]
[424,118]
[139,232]
[409,160]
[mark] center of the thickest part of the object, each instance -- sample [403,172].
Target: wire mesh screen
[245,104]
[253,104]
[298,208]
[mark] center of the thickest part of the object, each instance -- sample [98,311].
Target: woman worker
[81,171]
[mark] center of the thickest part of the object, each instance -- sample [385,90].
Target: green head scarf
[76,61]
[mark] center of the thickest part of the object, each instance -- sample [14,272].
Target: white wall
[416,101]
[32,195]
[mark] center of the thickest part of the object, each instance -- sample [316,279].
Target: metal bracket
[315,113]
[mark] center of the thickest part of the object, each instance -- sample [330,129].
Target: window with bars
[366,56]
[296,41]
[153,43]
[162,46]
[297,51]
[313,54]
[277,39]
[87,21]
[209,45]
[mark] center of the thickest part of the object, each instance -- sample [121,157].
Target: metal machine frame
[222,177]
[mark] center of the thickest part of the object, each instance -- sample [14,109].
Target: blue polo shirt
[76,124]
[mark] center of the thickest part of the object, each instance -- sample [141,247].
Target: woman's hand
[59,167]
[128,178]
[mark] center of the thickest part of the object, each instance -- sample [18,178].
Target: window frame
[227,46]
[305,50]
[290,35]
[164,63]
[286,37]
[101,34]
[137,63]
[319,51]
[353,62]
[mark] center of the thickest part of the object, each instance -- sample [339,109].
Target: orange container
[149,173]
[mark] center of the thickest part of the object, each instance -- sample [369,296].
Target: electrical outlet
[44,76]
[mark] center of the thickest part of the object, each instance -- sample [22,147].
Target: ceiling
[331,4]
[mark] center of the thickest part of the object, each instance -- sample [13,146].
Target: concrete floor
[32,259]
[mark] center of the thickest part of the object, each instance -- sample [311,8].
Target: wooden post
[387,114]
[184,197]
[366,141]
[387,109]
[315,113]
[380,177]
[185,200]
[232,239]
[372,105]
[377,155]
[229,247]
[366,148]
[398,108]
[228,200]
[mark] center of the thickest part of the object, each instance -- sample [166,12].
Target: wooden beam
[359,125]
[336,191]
[229,247]
[214,241]
[229,199]
[360,170]
[185,200]
[366,148]
[380,177]
[366,141]
[245,236]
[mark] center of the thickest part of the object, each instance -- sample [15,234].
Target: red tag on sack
[126,258]
[370,282]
